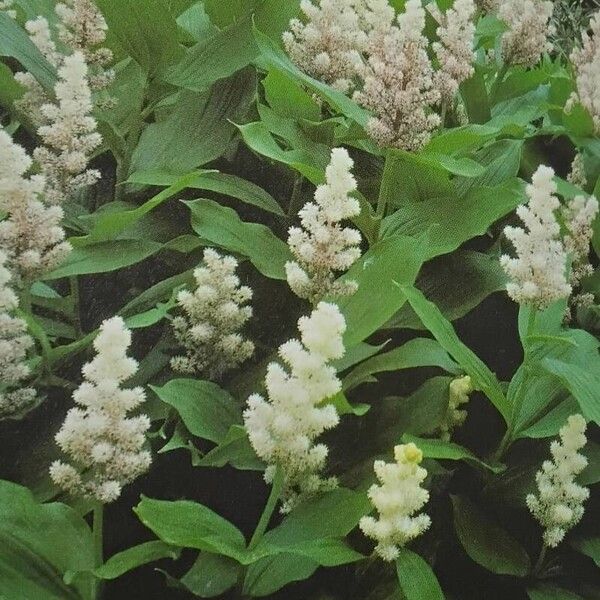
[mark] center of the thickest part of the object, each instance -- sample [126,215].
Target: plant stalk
[98,539]
[269,509]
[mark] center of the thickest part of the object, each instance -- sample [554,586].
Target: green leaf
[582,383]
[420,352]
[102,257]
[221,226]
[482,378]
[409,177]
[456,283]
[15,42]
[288,99]
[269,574]
[199,128]
[221,183]
[590,546]
[550,424]
[206,410]
[441,450]
[191,525]
[211,575]
[486,542]
[478,209]
[330,515]
[416,578]
[475,96]
[377,273]
[235,450]
[145,29]
[135,557]
[219,56]
[40,543]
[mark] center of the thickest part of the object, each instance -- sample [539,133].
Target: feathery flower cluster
[399,84]
[488,6]
[106,446]
[460,388]
[586,62]
[70,134]
[322,247]
[538,274]
[454,51]
[397,499]
[82,28]
[31,234]
[14,343]
[213,315]
[282,430]
[559,503]
[579,215]
[329,44]
[530,27]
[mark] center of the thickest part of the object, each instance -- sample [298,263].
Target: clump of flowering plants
[299,299]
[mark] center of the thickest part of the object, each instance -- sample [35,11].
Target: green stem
[519,396]
[296,198]
[498,81]
[444,111]
[25,303]
[269,509]
[540,561]
[76,300]
[97,534]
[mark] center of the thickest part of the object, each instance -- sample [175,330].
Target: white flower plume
[323,248]
[14,344]
[529,30]
[538,273]
[558,506]
[213,315]
[397,499]
[31,234]
[104,445]
[399,83]
[328,45]
[283,429]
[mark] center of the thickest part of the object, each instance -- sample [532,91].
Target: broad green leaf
[211,575]
[590,546]
[478,209]
[191,525]
[234,450]
[10,90]
[222,226]
[409,177]
[135,557]
[40,543]
[486,542]
[330,515]
[199,129]
[288,99]
[578,121]
[145,29]
[482,378]
[396,259]
[420,352]
[591,474]
[474,93]
[582,383]
[221,183]
[456,283]
[441,450]
[550,424]
[269,574]
[15,42]
[417,579]
[206,410]
[217,57]
[102,257]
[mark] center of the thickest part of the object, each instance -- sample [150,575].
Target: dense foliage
[299,300]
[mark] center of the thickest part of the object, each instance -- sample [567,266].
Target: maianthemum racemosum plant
[265,330]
